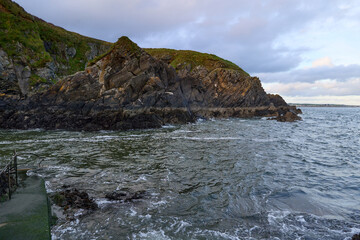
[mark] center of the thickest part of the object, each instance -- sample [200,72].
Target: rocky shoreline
[127,88]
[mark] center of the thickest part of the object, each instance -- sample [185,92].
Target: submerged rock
[125,195]
[74,199]
[356,237]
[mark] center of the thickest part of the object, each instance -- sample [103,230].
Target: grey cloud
[339,73]
[245,32]
[349,87]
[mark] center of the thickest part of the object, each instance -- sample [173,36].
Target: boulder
[289,116]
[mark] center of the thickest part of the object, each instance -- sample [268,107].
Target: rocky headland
[128,87]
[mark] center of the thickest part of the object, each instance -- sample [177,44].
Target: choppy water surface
[223,179]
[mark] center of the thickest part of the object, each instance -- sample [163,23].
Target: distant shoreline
[321,105]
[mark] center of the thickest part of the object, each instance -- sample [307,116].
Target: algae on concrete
[26,215]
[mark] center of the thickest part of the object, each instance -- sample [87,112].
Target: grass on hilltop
[180,59]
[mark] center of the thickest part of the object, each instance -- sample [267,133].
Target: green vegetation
[4,198]
[35,43]
[128,45]
[56,38]
[58,199]
[20,36]
[36,80]
[181,59]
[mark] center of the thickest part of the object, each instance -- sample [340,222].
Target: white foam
[209,138]
[274,216]
[147,216]
[79,213]
[103,202]
[48,187]
[132,212]
[182,226]
[199,120]
[218,234]
[159,203]
[355,230]
[301,219]
[264,139]
[141,178]
[153,234]
[168,126]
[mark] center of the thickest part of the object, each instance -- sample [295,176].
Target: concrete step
[26,215]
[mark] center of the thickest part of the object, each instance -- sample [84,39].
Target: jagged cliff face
[35,54]
[210,81]
[128,88]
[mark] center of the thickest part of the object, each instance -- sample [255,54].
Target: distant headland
[321,105]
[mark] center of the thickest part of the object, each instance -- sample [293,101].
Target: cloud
[321,87]
[322,62]
[245,32]
[339,73]
[348,100]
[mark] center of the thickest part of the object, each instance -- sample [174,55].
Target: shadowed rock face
[128,89]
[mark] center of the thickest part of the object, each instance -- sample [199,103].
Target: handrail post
[9,183]
[15,167]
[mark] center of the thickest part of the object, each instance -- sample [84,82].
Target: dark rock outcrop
[356,237]
[289,116]
[277,100]
[125,195]
[74,199]
[127,88]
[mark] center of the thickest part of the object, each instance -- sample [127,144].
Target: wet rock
[298,111]
[356,237]
[73,198]
[8,80]
[23,75]
[125,195]
[288,117]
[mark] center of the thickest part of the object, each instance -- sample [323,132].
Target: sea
[213,179]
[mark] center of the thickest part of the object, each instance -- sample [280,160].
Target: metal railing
[9,177]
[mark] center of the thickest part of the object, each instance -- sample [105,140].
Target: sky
[305,50]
